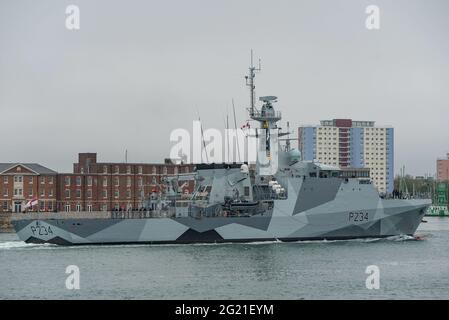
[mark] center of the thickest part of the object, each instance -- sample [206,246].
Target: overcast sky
[138,69]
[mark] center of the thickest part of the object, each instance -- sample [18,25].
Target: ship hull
[395,218]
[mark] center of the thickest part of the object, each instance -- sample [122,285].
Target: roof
[327,167]
[39,169]
[207,166]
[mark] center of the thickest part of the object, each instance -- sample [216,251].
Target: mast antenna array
[250,83]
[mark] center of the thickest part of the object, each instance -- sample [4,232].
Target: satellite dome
[244,168]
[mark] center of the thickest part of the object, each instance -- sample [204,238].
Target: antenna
[202,138]
[226,124]
[250,83]
[227,133]
[235,126]
[287,144]
[204,142]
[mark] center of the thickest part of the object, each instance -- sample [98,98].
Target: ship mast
[267,118]
[250,83]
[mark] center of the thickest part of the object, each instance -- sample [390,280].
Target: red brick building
[92,186]
[104,186]
[22,182]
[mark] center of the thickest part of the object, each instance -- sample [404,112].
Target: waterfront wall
[5,222]
[61,215]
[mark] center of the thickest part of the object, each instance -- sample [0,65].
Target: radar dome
[294,155]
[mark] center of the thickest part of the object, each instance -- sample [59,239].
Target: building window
[50,206]
[42,193]
[18,178]
[154,170]
[5,192]
[30,180]
[78,193]
[140,170]
[67,193]
[42,180]
[78,207]
[116,181]
[128,169]
[128,193]
[105,182]
[5,205]
[128,181]
[117,170]
[67,181]
[41,205]
[50,180]
[140,182]
[165,170]
[78,181]
[51,193]
[17,191]
[89,193]
[30,192]
[116,193]
[105,169]
[67,207]
[89,181]
[5,179]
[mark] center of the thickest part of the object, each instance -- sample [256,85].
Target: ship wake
[397,238]
[21,245]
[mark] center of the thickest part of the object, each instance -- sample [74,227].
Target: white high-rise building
[352,144]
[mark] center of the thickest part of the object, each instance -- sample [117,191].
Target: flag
[31,203]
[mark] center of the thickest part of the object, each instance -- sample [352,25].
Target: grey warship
[280,198]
